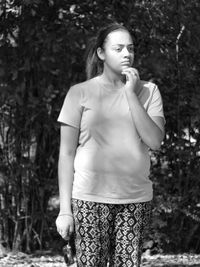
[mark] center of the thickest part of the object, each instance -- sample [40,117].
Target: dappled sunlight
[24,260]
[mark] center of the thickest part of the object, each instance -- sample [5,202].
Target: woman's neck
[115,82]
[112,80]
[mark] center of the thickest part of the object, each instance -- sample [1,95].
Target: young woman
[108,124]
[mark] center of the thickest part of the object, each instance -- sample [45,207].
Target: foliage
[42,46]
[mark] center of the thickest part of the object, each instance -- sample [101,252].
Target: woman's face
[118,52]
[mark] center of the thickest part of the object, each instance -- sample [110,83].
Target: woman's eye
[131,49]
[118,49]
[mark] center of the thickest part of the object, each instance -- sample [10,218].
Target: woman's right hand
[65,225]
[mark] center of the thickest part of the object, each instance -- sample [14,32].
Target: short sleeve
[155,107]
[71,110]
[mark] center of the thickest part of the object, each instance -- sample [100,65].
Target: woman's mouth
[125,63]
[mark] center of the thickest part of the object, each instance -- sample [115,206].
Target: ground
[48,260]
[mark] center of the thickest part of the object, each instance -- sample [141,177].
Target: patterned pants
[109,233]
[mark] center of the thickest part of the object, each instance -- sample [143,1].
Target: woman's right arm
[69,137]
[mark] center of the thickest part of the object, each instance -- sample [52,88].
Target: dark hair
[94,66]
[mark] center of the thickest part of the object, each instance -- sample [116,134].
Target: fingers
[132,80]
[130,72]
[132,76]
[64,228]
[65,234]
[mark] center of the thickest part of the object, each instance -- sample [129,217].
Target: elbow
[155,143]
[155,146]
[69,153]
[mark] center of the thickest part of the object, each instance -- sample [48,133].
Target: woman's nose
[126,52]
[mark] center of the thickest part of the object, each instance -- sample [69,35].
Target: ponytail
[94,66]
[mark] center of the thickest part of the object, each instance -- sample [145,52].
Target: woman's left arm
[150,129]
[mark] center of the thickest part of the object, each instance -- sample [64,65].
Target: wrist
[65,214]
[131,93]
[65,207]
[65,211]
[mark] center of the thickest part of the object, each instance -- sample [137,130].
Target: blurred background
[42,46]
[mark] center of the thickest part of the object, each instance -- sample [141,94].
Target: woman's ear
[100,53]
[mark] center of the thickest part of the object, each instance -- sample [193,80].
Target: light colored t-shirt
[112,163]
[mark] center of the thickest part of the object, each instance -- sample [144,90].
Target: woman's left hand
[132,80]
